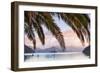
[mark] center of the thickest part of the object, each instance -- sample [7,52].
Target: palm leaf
[38,29]
[55,30]
[30,34]
[33,24]
[85,22]
[75,23]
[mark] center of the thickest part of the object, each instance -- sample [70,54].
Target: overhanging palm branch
[34,20]
[31,25]
[80,23]
[55,30]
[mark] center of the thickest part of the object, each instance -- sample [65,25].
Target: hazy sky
[60,23]
[63,26]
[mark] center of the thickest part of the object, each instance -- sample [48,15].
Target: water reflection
[30,57]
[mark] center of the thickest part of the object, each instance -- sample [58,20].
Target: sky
[60,23]
[63,26]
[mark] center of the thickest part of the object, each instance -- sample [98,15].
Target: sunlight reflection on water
[54,56]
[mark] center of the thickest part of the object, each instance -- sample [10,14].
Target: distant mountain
[86,51]
[38,50]
[49,50]
[27,49]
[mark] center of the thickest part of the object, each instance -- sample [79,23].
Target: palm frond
[30,19]
[55,30]
[76,22]
[38,29]
[85,23]
[30,34]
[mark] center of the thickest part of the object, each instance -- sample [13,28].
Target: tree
[80,23]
